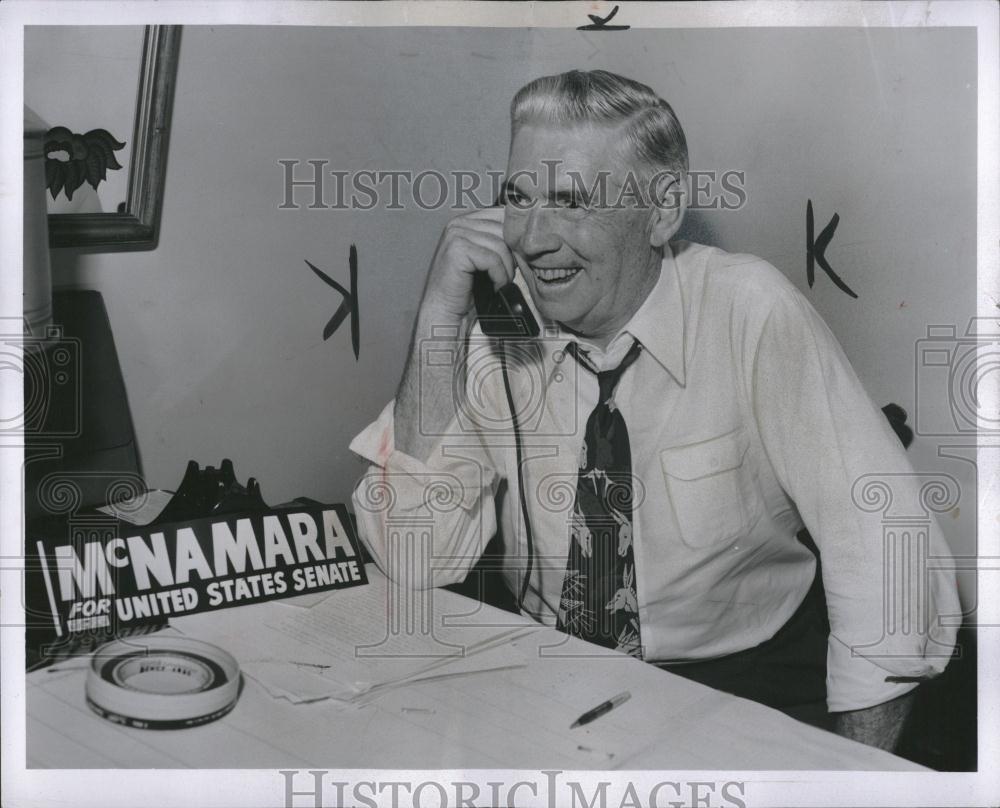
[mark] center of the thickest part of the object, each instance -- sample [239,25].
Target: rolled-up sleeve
[425,523]
[892,601]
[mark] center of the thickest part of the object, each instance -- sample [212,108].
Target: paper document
[139,510]
[370,640]
[344,647]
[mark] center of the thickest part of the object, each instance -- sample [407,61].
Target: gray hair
[599,96]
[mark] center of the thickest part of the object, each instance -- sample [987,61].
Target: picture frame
[137,227]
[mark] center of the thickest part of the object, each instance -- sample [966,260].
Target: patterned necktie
[599,601]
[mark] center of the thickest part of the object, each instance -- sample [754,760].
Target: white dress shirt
[746,422]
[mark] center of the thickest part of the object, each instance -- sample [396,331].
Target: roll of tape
[162,682]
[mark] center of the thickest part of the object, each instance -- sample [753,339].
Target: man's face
[587,267]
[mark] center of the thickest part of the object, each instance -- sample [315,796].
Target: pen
[601,709]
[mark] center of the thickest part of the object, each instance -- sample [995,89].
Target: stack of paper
[356,643]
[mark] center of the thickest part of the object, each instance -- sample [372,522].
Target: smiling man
[693,401]
[593,251]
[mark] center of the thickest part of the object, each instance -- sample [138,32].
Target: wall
[219,330]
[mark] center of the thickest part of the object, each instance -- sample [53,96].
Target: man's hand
[879,726]
[471,242]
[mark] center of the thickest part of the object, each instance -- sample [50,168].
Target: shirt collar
[658,325]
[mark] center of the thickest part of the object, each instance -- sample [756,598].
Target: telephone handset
[504,312]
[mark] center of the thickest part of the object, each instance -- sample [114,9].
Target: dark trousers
[787,672]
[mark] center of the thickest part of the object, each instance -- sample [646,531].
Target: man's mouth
[555,275]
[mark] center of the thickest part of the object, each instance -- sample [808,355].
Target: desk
[517,718]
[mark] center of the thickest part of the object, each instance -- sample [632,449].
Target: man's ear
[669,201]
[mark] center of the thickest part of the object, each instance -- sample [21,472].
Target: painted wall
[219,330]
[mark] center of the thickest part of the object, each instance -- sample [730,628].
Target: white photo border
[225,788]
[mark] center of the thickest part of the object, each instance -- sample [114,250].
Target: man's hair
[598,96]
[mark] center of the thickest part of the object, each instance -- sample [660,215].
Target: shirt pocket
[711,489]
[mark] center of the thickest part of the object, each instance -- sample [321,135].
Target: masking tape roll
[162,682]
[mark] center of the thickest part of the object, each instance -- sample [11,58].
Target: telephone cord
[520,477]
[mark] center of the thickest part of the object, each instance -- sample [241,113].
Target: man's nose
[538,235]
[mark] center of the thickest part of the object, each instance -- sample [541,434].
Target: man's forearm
[425,403]
[879,726]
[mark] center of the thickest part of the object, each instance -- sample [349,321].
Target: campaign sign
[138,575]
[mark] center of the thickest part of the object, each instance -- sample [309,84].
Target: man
[700,386]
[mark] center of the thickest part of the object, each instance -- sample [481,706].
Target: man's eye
[571,203]
[516,199]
